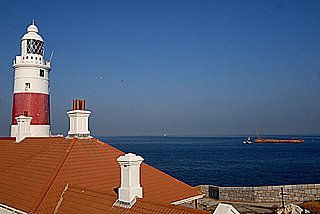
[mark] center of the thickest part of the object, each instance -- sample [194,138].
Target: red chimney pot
[78,104]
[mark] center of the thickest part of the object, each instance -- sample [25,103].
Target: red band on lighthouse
[35,105]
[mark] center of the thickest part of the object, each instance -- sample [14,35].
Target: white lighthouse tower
[31,86]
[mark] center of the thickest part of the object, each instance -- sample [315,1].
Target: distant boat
[262,140]
[247,141]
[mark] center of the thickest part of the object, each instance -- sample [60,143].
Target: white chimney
[23,127]
[79,120]
[130,179]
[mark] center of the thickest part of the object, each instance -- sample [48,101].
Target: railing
[14,61]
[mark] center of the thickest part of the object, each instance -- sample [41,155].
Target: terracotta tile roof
[80,201]
[26,169]
[35,171]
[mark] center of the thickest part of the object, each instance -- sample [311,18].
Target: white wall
[36,130]
[31,75]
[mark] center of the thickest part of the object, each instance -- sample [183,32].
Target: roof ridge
[107,145]
[85,149]
[56,210]
[53,177]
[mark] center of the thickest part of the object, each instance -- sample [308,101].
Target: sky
[188,68]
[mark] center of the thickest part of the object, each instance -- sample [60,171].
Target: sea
[226,161]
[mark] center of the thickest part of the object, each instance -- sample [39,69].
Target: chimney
[23,130]
[79,120]
[130,180]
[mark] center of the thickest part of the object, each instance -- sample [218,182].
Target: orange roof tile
[36,170]
[80,201]
[26,169]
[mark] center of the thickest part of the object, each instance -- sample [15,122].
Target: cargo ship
[262,140]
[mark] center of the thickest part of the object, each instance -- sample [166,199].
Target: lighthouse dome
[32,33]
[32,28]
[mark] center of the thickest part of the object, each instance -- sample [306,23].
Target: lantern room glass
[34,47]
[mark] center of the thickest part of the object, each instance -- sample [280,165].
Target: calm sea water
[225,161]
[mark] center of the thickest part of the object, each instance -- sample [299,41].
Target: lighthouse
[31,100]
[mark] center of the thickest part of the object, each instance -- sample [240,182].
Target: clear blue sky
[181,67]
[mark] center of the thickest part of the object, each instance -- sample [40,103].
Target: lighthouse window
[28,86]
[34,46]
[41,73]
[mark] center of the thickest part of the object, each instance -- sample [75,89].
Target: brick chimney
[130,180]
[79,120]
[23,129]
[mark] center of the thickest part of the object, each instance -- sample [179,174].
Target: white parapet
[130,178]
[23,129]
[36,130]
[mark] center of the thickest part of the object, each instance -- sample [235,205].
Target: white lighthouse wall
[31,75]
[35,130]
